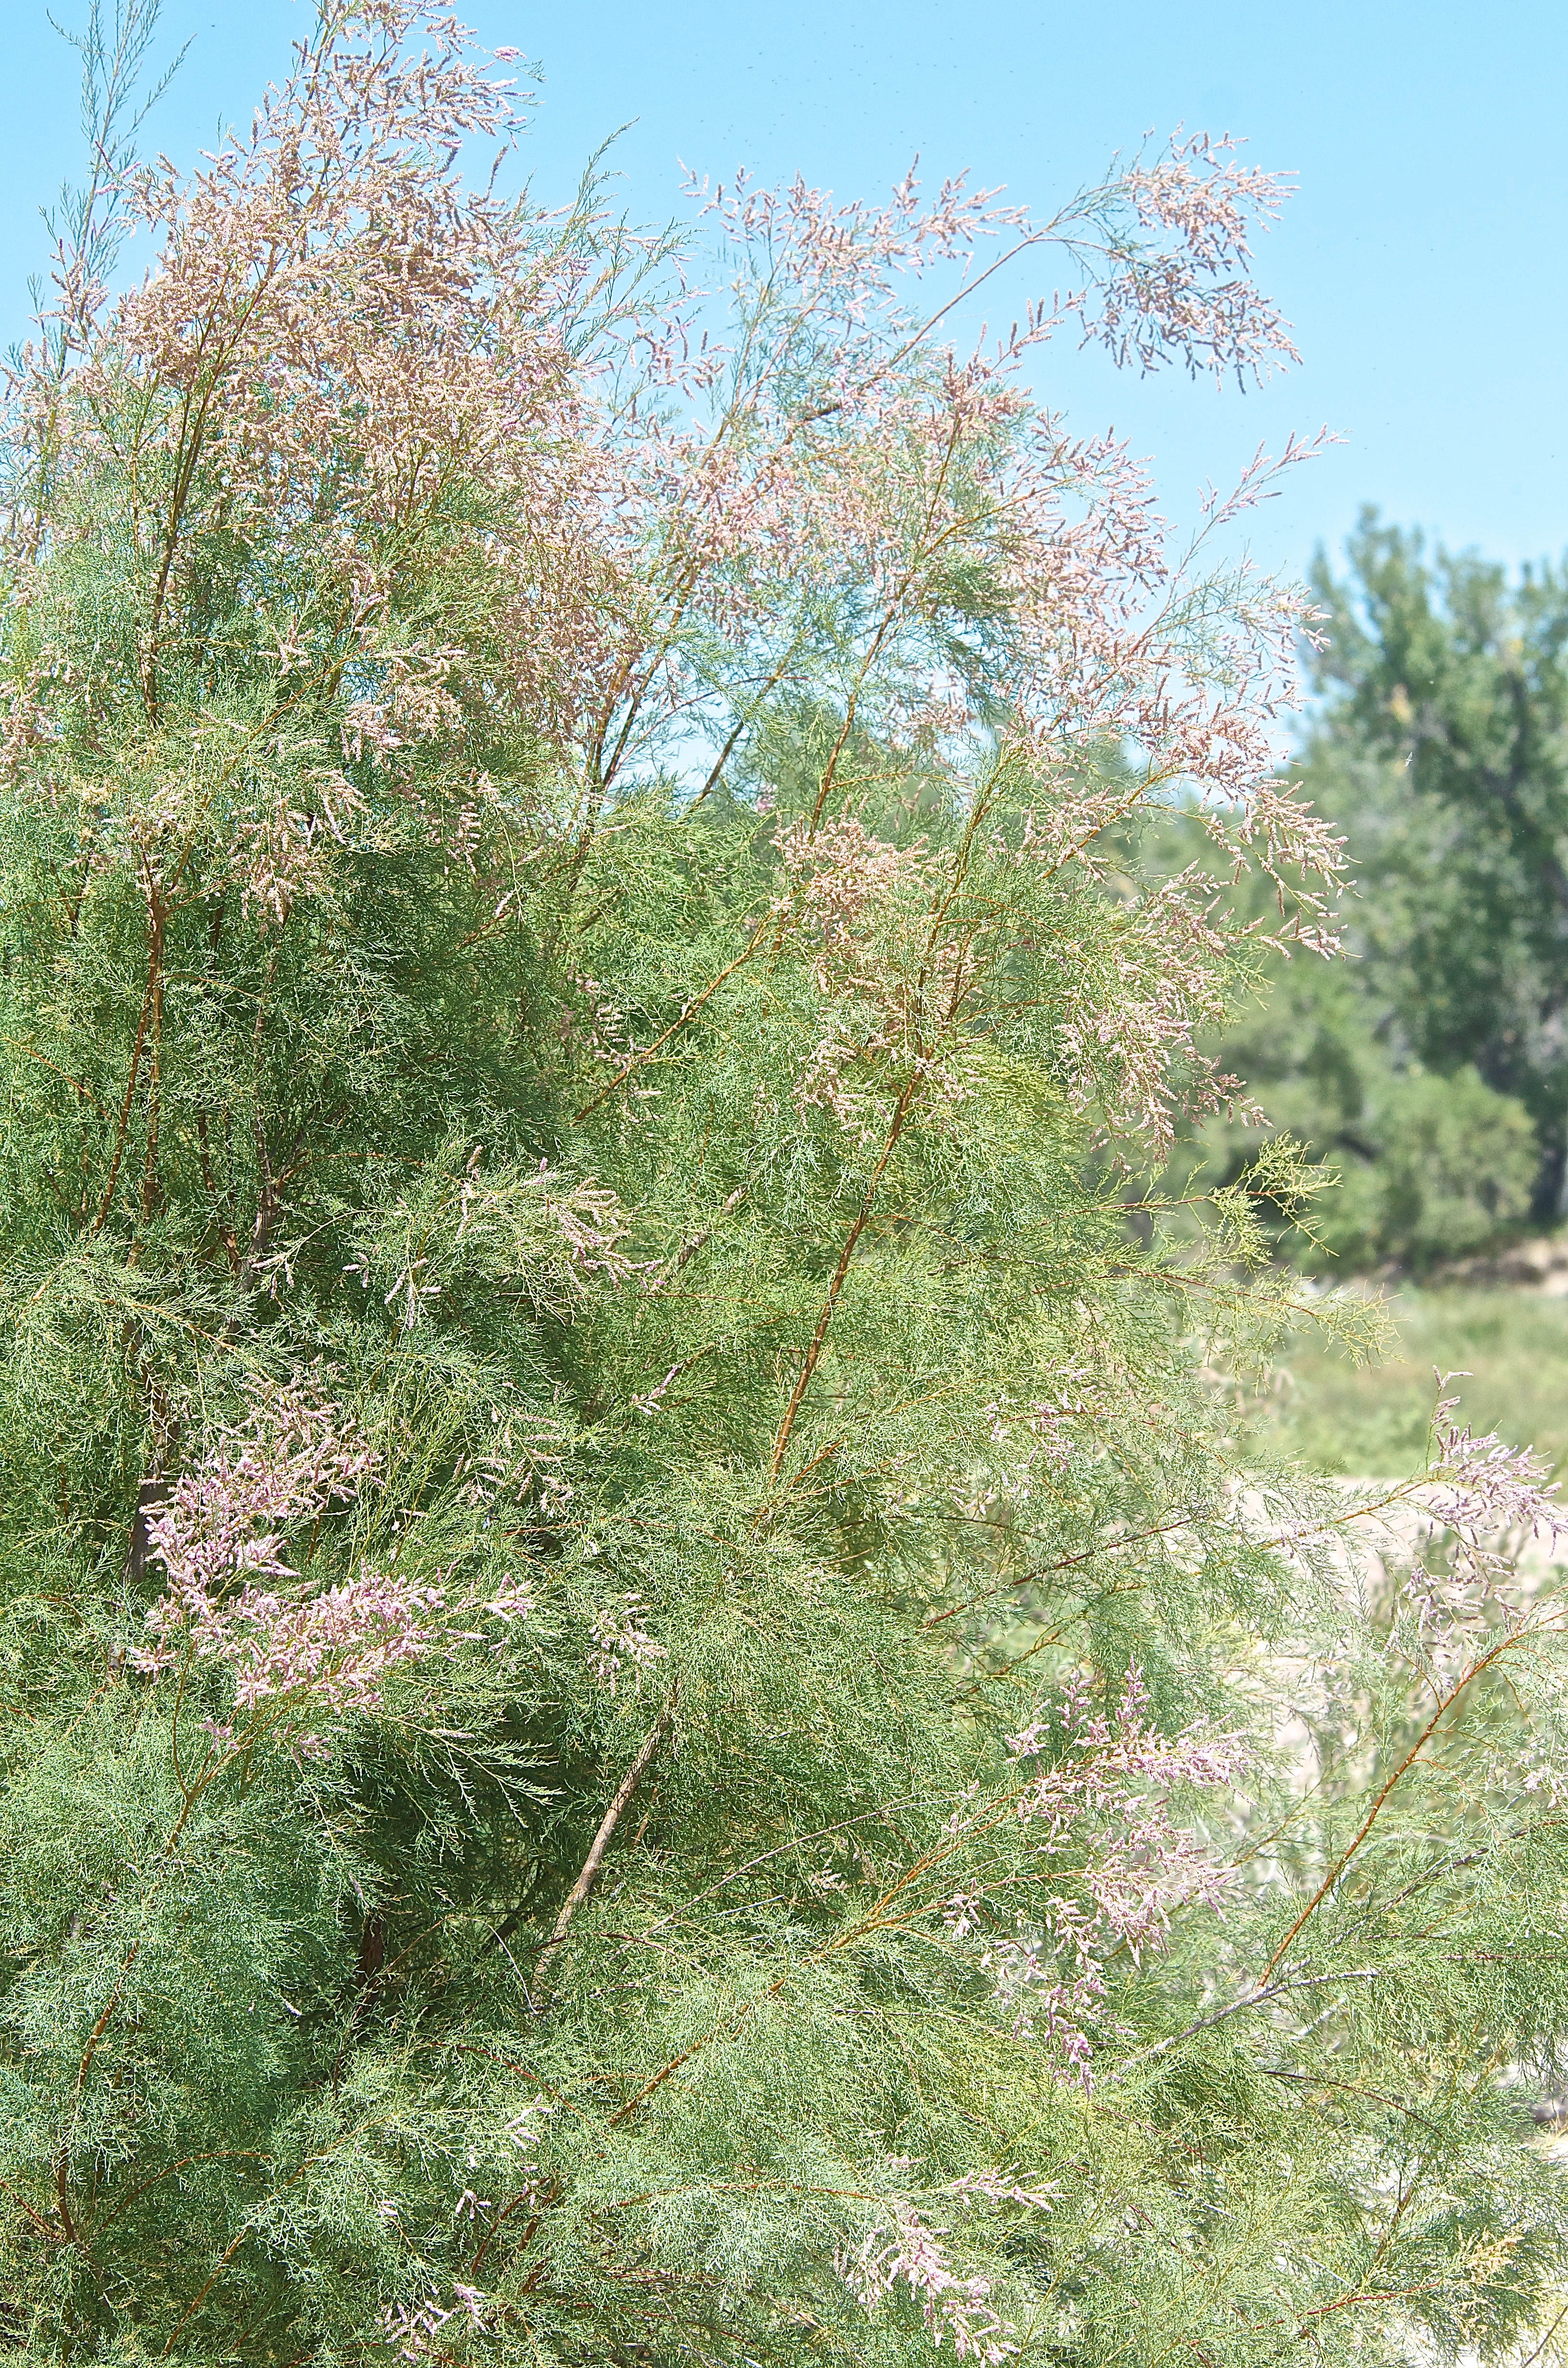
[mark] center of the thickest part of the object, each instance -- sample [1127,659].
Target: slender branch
[602,1839]
[85,1091]
[1066,1561]
[742,724]
[1260,1995]
[155,963]
[68,2226]
[1361,2295]
[1545,2340]
[44,2226]
[687,1011]
[144,2186]
[63,2159]
[550,2196]
[154,1099]
[1503,1646]
[208,1182]
[813,1354]
[247,2229]
[624,2113]
[895,611]
[796,1842]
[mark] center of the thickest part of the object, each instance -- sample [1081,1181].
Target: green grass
[1373,1420]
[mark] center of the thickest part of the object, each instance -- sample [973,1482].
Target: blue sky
[1422,261]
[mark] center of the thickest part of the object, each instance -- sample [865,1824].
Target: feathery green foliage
[649,1697]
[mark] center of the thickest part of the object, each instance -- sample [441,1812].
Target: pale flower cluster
[412,2329]
[1037,1436]
[669,502]
[1115,1860]
[1482,1501]
[1190,297]
[906,2250]
[223,1532]
[956,2309]
[858,911]
[621,1641]
[1128,1039]
[302,1658]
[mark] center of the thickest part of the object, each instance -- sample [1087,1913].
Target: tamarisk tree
[653,1713]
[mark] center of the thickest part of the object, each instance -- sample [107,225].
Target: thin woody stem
[893,612]
[905,1104]
[1337,1869]
[154,965]
[154,1099]
[741,724]
[873,1920]
[813,1354]
[687,1011]
[247,2230]
[606,1835]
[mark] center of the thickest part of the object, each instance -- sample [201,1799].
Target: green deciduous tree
[649,1703]
[1426,1164]
[1443,753]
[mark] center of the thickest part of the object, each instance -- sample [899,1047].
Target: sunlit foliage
[653,1715]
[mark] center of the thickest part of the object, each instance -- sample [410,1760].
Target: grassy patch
[1512,1343]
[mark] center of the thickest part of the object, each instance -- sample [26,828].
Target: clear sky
[1422,261]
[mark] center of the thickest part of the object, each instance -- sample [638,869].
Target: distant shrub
[1428,1165]
[1455,1165]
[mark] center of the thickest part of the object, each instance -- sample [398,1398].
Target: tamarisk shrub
[649,1698]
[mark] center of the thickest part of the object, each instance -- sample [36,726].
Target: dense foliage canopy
[1433,1070]
[1446,673]
[653,1713]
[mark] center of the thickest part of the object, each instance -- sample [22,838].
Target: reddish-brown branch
[623,2112]
[84,1092]
[67,2226]
[1352,2301]
[1503,1646]
[550,2196]
[144,2186]
[602,1839]
[154,988]
[44,2226]
[62,2160]
[185,476]
[871,1921]
[895,609]
[687,1011]
[208,1182]
[154,1099]
[1067,1562]
[813,1354]
[727,751]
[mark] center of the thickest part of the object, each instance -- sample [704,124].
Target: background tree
[1435,1074]
[1428,1165]
[1449,675]
[641,1715]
